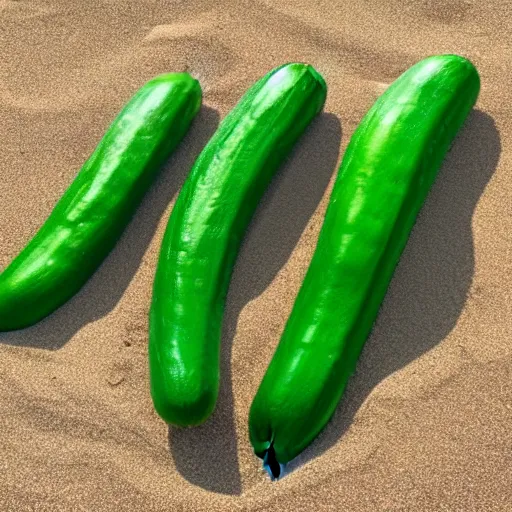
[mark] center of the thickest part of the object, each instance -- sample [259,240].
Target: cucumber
[204,233]
[92,214]
[386,173]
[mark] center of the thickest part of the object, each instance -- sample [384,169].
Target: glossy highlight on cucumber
[386,173]
[204,233]
[92,214]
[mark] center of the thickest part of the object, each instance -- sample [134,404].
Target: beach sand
[426,421]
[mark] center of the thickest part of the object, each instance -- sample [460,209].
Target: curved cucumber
[92,214]
[386,173]
[203,236]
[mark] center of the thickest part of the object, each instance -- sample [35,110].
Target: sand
[426,421]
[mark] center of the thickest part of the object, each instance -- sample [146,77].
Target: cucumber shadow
[104,290]
[207,456]
[432,281]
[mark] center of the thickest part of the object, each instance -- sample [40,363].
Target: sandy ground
[425,423]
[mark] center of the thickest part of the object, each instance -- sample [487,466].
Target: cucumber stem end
[271,465]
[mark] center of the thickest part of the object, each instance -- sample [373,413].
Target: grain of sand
[426,420]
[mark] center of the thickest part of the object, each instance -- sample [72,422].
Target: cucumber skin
[204,233]
[387,171]
[92,214]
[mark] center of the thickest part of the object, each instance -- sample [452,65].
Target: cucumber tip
[318,77]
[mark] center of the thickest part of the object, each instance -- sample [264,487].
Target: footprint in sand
[193,48]
[118,373]
[17,11]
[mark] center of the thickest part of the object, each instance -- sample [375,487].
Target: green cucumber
[386,173]
[204,233]
[92,214]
